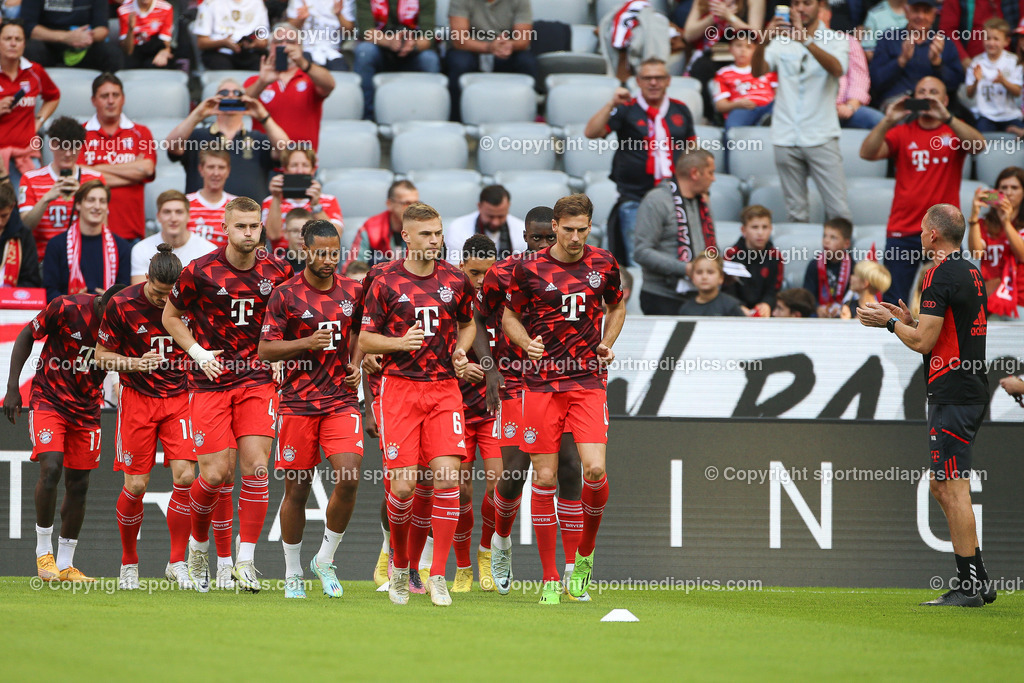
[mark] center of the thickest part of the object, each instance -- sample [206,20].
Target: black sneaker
[956,598]
[988,592]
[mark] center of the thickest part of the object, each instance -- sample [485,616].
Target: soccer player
[420,407]
[206,205]
[312,322]
[504,387]
[233,401]
[153,405]
[950,334]
[554,314]
[64,422]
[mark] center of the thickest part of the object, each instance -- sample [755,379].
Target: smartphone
[782,11]
[231,105]
[17,97]
[918,104]
[280,59]
[294,185]
[66,173]
[992,198]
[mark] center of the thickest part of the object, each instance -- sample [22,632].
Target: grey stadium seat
[156,99]
[160,128]
[348,144]
[754,155]
[498,100]
[533,188]
[583,155]
[967,189]
[565,11]
[569,62]
[411,100]
[798,249]
[596,80]
[862,248]
[576,102]
[384,77]
[424,148]
[1004,149]
[515,138]
[151,76]
[726,233]
[453,192]
[711,138]
[850,140]
[727,198]
[770,196]
[167,178]
[604,194]
[360,191]
[75,92]
[346,100]
[691,98]
[870,199]
[584,38]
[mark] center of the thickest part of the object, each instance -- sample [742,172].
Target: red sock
[400,519]
[505,512]
[129,519]
[542,504]
[419,529]
[487,515]
[223,516]
[570,523]
[595,495]
[179,522]
[464,535]
[202,498]
[443,521]
[253,500]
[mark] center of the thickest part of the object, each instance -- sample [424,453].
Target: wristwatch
[891,324]
[316,208]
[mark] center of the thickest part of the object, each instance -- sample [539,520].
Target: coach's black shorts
[951,432]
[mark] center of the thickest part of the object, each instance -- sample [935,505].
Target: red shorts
[548,415]
[302,436]
[419,421]
[484,435]
[510,421]
[51,432]
[219,418]
[141,420]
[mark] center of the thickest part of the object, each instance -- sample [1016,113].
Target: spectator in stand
[228,33]
[967,18]
[708,274]
[45,196]
[124,152]
[19,123]
[87,257]
[651,129]
[146,30]
[492,219]
[321,206]
[252,152]
[828,276]
[294,244]
[172,217]
[904,58]
[742,98]
[673,224]
[19,267]
[626,281]
[380,238]
[883,17]
[396,36]
[10,9]
[755,251]
[996,77]
[998,241]
[854,92]
[206,205]
[795,302]
[293,97]
[486,33]
[357,270]
[72,34]
[928,152]
[325,23]
[869,281]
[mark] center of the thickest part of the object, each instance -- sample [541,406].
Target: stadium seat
[870,199]
[424,148]
[348,144]
[75,92]
[565,11]
[156,99]
[346,100]
[352,225]
[151,76]
[160,128]
[692,99]
[583,155]
[533,188]
[1004,149]
[515,147]
[798,249]
[360,191]
[452,192]
[850,140]
[596,80]
[170,177]
[604,194]
[753,154]
[384,77]
[874,232]
[688,82]
[727,198]
[726,233]
[466,80]
[781,228]
[967,190]
[441,13]
[633,305]
[770,196]
[584,38]
[576,102]
[498,100]
[711,138]
[411,100]
[569,62]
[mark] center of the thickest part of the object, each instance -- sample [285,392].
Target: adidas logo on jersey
[77,335]
[462,444]
[222,292]
[141,330]
[307,314]
[404,298]
[912,145]
[550,288]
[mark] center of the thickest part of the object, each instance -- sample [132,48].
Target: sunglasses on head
[230,93]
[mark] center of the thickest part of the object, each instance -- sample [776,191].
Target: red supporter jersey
[396,299]
[328,202]
[129,142]
[491,304]
[314,382]
[54,221]
[474,396]
[561,302]
[132,326]
[159,21]
[296,107]
[206,219]
[738,83]
[997,250]
[928,172]
[68,381]
[18,126]
[226,306]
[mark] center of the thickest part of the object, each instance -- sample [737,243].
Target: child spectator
[869,282]
[795,302]
[997,239]
[754,249]
[293,222]
[708,275]
[357,270]
[742,98]
[882,17]
[1000,77]
[145,35]
[828,277]
[298,160]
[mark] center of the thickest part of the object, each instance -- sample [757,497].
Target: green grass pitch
[782,633]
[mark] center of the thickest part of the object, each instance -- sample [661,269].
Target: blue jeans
[627,219]
[902,257]
[989,126]
[865,117]
[747,117]
[460,62]
[369,59]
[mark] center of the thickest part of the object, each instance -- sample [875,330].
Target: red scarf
[1004,300]
[659,140]
[76,281]
[408,13]
[826,295]
[684,245]
[12,262]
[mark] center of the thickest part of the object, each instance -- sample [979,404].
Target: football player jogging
[950,334]
[233,400]
[418,312]
[555,315]
[312,324]
[504,395]
[153,405]
[64,422]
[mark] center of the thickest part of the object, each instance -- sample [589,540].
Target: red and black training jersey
[955,291]
[133,326]
[561,302]
[396,299]
[314,382]
[68,381]
[474,396]
[491,304]
[227,307]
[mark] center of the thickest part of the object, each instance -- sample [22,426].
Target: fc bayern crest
[288,453]
[510,430]
[127,457]
[347,307]
[266,286]
[392,451]
[594,279]
[45,436]
[199,439]
[529,435]
[446,294]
